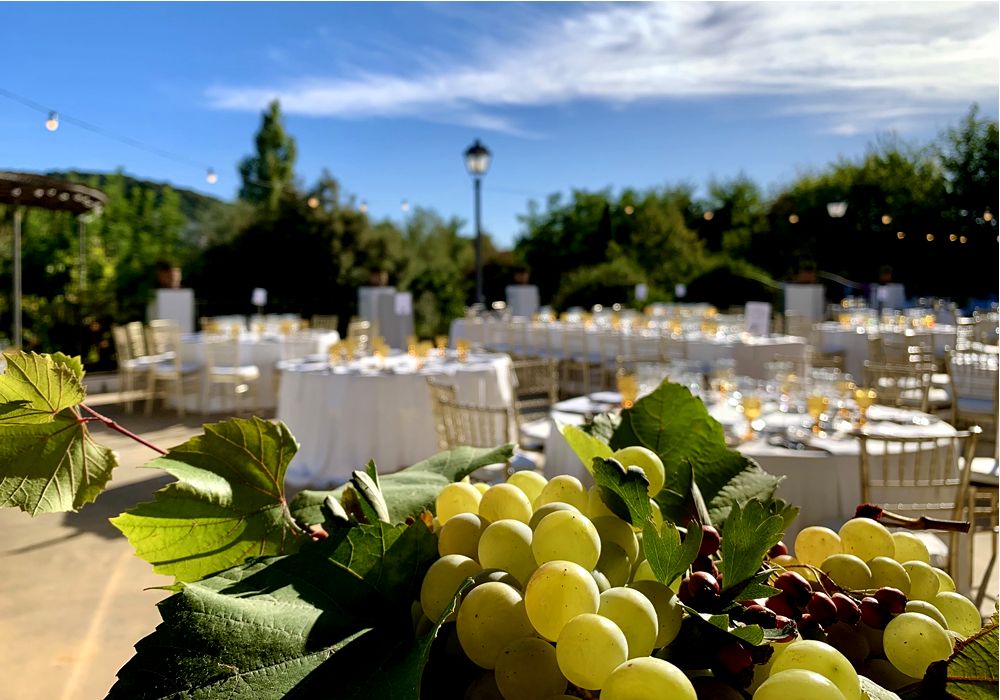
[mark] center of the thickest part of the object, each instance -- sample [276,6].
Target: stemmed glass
[752,407]
[816,405]
[628,386]
[864,398]
[441,341]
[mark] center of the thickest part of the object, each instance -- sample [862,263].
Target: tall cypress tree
[272,168]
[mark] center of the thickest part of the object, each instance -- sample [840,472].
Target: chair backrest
[162,336]
[470,425]
[136,339]
[324,322]
[973,376]
[516,332]
[361,331]
[798,325]
[221,351]
[918,475]
[825,360]
[900,384]
[898,348]
[536,388]
[611,345]
[122,349]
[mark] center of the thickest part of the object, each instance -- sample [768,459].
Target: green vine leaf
[43,385]
[325,619]
[624,491]
[971,673]
[227,505]
[585,445]
[409,491]
[668,557]
[749,533]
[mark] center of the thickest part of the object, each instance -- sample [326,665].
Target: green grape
[909,547]
[656,513]
[456,498]
[924,583]
[601,580]
[505,502]
[961,613]
[566,536]
[482,487]
[947,583]
[866,539]
[589,648]
[635,616]
[648,461]
[542,511]
[762,671]
[557,592]
[495,575]
[527,669]
[669,611]
[460,535]
[913,642]
[649,678]
[530,482]
[506,544]
[611,528]
[483,688]
[614,564]
[847,571]
[711,688]
[887,675]
[596,507]
[564,489]
[644,572]
[890,573]
[798,683]
[814,544]
[442,581]
[491,617]
[823,659]
[928,609]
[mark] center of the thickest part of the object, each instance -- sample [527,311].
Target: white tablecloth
[853,342]
[751,353]
[345,416]
[265,352]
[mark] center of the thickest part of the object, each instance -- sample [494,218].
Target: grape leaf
[624,491]
[44,387]
[971,673]
[585,445]
[371,500]
[676,425]
[268,628]
[48,461]
[603,426]
[74,364]
[410,491]
[227,505]
[668,557]
[749,589]
[749,533]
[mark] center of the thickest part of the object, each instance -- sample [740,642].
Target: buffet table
[345,415]
[264,351]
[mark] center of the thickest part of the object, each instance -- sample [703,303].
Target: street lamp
[477,162]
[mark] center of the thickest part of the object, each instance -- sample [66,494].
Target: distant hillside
[193,204]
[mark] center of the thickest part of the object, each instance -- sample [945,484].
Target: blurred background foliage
[312,245]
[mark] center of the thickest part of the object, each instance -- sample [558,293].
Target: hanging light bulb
[793,218]
[211,177]
[52,123]
[405,205]
[313,202]
[363,208]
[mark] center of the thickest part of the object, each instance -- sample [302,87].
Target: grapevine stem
[924,523]
[114,425]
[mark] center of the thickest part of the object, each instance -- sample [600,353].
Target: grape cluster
[562,603]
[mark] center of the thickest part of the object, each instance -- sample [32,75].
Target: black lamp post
[477,162]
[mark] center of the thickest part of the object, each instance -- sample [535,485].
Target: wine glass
[628,386]
[816,405]
[441,341]
[864,398]
[752,407]
[462,349]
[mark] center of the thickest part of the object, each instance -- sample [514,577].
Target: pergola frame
[23,190]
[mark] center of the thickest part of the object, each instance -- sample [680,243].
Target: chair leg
[151,388]
[180,396]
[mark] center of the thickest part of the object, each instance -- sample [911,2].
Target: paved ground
[73,597]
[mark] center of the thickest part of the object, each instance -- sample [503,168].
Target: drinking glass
[864,398]
[628,386]
[816,405]
[441,341]
[462,349]
[752,407]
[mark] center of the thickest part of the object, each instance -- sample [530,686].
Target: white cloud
[855,65]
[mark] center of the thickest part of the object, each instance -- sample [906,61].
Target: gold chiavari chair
[536,389]
[173,372]
[906,385]
[973,377]
[323,322]
[223,370]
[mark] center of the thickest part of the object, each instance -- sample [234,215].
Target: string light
[900,235]
[793,218]
[313,202]
[629,209]
[953,238]
[930,237]
[364,207]
[709,215]
[52,123]
[886,219]
[962,239]
[211,177]
[405,205]
[987,215]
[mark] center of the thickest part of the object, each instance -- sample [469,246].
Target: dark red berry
[781,607]
[892,599]
[710,541]
[684,593]
[848,610]
[734,658]
[874,614]
[810,628]
[868,510]
[703,589]
[707,565]
[822,608]
[759,615]
[778,550]
[795,587]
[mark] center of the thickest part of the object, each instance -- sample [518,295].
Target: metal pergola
[22,190]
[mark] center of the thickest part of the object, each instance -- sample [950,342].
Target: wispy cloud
[853,66]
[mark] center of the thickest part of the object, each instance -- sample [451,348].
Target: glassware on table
[411,345]
[816,405]
[462,349]
[441,341]
[864,398]
[628,386]
[752,407]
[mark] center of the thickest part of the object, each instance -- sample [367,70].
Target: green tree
[271,170]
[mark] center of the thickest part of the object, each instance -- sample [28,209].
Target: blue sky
[387,96]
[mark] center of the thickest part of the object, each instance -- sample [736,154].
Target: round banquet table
[749,353]
[853,341]
[823,480]
[264,351]
[345,415]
